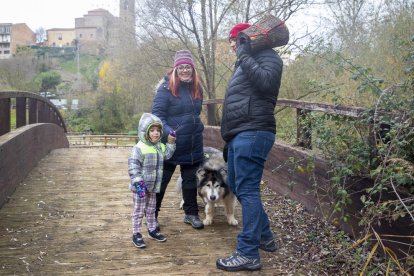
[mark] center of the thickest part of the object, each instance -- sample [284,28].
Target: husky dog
[212,186]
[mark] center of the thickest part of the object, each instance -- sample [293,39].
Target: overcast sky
[62,13]
[51,13]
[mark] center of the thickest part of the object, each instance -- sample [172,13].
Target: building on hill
[13,35]
[92,31]
[60,37]
[126,23]
[99,32]
[5,40]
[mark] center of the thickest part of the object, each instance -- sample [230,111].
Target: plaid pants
[143,207]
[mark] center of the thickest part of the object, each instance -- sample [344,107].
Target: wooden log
[269,32]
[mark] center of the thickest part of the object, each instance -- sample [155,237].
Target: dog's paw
[232,221]
[181,203]
[207,221]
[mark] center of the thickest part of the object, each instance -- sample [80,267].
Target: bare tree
[351,21]
[40,35]
[200,25]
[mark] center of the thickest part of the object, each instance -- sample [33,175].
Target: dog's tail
[178,185]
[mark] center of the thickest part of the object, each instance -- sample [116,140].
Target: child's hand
[171,137]
[141,188]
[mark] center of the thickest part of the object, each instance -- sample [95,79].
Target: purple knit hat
[183,57]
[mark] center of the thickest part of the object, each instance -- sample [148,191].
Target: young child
[145,166]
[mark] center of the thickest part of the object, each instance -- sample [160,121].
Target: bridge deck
[72,215]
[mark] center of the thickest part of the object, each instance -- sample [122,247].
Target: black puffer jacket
[251,95]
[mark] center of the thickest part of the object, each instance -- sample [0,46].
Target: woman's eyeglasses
[185,67]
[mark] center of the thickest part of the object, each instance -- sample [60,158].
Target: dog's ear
[201,173]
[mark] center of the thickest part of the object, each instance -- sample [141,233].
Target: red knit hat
[183,57]
[237,29]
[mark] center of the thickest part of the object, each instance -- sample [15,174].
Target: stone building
[60,37]
[13,35]
[92,31]
[99,32]
[126,22]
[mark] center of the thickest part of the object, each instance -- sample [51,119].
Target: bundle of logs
[269,32]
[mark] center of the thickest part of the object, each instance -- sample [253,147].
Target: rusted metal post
[32,111]
[20,112]
[4,116]
[40,112]
[51,115]
[45,113]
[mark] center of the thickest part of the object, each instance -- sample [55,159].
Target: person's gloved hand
[244,49]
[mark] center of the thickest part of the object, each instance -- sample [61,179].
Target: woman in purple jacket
[178,101]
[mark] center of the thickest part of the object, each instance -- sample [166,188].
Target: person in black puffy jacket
[248,127]
[178,102]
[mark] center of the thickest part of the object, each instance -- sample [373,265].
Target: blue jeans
[247,154]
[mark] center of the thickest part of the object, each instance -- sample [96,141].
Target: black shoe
[237,262]
[194,221]
[156,235]
[138,241]
[268,246]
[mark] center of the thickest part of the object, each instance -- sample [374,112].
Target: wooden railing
[30,109]
[103,140]
[303,108]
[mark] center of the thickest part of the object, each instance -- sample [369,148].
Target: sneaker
[156,235]
[138,241]
[194,221]
[268,246]
[237,262]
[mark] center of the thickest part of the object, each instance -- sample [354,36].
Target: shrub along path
[72,215]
